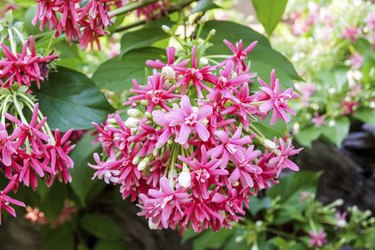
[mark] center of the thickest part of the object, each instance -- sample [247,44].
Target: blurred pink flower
[351,33]
[318,120]
[317,239]
[356,60]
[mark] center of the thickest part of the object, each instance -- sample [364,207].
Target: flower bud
[132,122]
[203,61]
[269,144]
[169,73]
[152,225]
[145,102]
[166,29]
[136,113]
[135,161]
[143,164]
[111,121]
[184,179]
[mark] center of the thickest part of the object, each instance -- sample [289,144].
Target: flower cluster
[25,67]
[190,149]
[31,152]
[80,20]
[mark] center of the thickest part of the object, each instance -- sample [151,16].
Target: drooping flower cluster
[29,152]
[25,67]
[80,20]
[191,150]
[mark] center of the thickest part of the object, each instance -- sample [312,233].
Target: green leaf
[307,135]
[71,100]
[117,73]
[212,240]
[338,132]
[204,5]
[257,205]
[269,13]
[262,55]
[366,115]
[271,131]
[146,36]
[112,245]
[54,200]
[82,173]
[60,238]
[101,226]
[291,186]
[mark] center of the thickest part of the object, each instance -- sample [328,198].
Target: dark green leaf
[271,131]
[82,173]
[145,36]
[71,100]
[257,205]
[112,245]
[269,13]
[101,226]
[212,240]
[291,186]
[116,74]
[262,55]
[60,238]
[54,200]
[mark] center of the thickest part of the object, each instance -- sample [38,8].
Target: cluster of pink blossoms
[190,150]
[29,153]
[80,20]
[25,67]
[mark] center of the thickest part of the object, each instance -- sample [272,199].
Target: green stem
[130,7]
[18,109]
[12,42]
[278,232]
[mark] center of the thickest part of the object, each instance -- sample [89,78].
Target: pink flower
[281,160]
[5,200]
[245,167]
[240,54]
[229,148]
[226,83]
[351,33]
[318,120]
[25,67]
[341,219]
[156,92]
[356,60]
[171,53]
[164,207]
[189,120]
[204,173]
[317,239]
[275,100]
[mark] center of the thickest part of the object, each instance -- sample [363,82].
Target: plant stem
[278,232]
[167,12]
[130,7]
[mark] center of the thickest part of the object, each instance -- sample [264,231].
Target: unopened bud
[148,115]
[131,122]
[212,32]
[135,161]
[152,225]
[111,121]
[136,113]
[169,73]
[184,179]
[269,144]
[331,123]
[203,61]
[166,29]
[145,102]
[143,164]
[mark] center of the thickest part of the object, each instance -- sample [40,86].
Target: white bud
[145,102]
[195,109]
[372,105]
[135,161]
[331,90]
[152,225]
[331,123]
[184,179]
[212,32]
[131,122]
[166,29]
[136,113]
[168,73]
[143,164]
[148,115]
[111,121]
[203,61]
[269,144]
